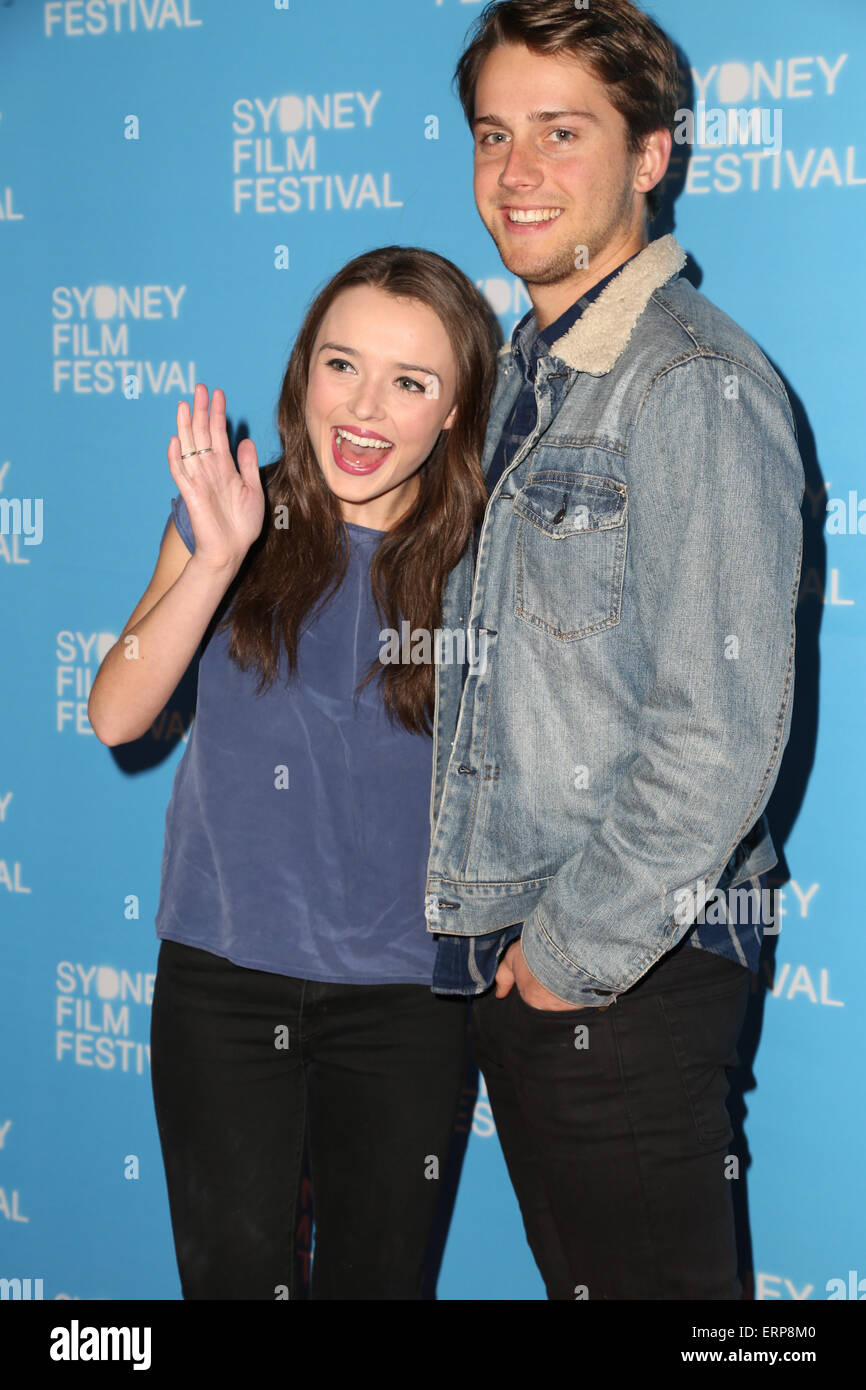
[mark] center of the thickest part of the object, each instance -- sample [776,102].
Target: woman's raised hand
[226,507]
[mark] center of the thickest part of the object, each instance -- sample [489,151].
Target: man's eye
[568,133]
[493,135]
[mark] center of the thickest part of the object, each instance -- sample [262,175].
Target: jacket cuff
[556,972]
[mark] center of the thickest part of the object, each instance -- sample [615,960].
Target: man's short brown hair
[621,46]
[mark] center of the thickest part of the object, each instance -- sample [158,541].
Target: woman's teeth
[363,441]
[359,451]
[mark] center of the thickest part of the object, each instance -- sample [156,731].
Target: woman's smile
[352,456]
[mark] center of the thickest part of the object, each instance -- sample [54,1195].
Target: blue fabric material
[323,880]
[463,965]
[499,829]
[468,964]
[527,347]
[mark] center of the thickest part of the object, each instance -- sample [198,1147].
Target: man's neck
[550,301]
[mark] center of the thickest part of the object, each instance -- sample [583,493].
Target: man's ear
[653,162]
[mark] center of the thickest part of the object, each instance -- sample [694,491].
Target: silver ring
[208,450]
[190,454]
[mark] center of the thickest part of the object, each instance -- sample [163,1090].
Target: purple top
[323,878]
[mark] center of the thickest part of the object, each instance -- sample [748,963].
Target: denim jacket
[631,620]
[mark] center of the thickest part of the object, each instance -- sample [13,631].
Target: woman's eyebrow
[414,367]
[352,352]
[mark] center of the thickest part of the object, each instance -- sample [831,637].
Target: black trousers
[247,1067]
[617,1137]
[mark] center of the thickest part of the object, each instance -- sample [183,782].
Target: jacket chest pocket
[570,556]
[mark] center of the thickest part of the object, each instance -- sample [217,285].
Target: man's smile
[529,220]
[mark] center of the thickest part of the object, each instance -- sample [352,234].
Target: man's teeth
[362,441]
[533,214]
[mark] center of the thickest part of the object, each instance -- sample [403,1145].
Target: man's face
[553,172]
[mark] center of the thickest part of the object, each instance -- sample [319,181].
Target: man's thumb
[504,981]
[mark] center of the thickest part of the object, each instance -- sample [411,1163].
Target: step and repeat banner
[177,179]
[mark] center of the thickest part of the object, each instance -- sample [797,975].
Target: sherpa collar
[600,335]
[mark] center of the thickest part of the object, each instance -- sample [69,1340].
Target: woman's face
[383,370]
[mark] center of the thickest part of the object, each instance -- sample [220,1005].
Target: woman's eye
[412,382]
[337,362]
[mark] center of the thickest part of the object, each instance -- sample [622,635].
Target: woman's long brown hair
[301,556]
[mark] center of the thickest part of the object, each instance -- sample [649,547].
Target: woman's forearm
[143,668]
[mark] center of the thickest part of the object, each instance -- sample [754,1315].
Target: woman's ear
[449,418]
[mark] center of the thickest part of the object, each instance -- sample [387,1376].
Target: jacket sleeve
[714,556]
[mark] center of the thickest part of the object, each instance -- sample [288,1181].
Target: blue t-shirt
[323,878]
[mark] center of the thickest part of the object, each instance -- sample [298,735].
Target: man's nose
[521,167]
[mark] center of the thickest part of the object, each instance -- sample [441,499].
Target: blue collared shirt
[527,347]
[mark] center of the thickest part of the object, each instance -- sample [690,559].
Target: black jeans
[616,1138]
[247,1066]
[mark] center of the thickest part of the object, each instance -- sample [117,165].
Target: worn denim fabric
[632,620]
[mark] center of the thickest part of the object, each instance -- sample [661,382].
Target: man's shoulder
[682,324]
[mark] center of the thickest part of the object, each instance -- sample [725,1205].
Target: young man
[607,766]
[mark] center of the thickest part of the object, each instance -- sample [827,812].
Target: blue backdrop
[177,177]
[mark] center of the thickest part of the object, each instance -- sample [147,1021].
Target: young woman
[292,1003]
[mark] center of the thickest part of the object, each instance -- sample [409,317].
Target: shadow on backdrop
[799,756]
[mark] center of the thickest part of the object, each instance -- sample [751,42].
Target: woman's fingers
[248,463]
[184,430]
[220,496]
[200,421]
[196,441]
[203,437]
[218,436]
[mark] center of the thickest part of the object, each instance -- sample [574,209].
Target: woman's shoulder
[180,517]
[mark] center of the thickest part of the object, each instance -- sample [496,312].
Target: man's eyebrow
[542,117]
[352,352]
